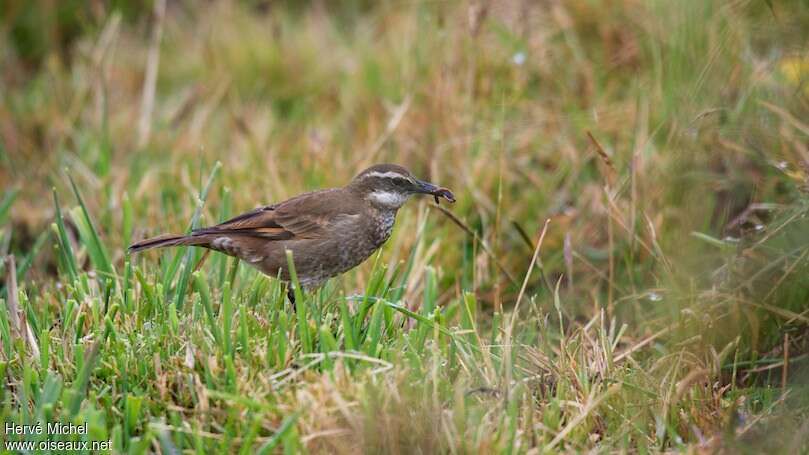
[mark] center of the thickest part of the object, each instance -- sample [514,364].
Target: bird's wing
[255,223]
[307,216]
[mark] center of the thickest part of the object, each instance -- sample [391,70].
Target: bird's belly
[317,260]
[348,254]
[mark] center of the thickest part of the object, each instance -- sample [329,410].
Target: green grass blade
[5,204]
[79,389]
[205,296]
[65,249]
[374,330]
[98,253]
[287,424]
[186,267]
[227,318]
[302,307]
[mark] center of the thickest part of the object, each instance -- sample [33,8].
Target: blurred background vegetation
[666,142]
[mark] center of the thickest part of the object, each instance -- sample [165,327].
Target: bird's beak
[436,191]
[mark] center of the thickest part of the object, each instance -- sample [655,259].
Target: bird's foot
[291,297]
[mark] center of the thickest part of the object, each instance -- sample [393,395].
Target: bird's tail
[162,241]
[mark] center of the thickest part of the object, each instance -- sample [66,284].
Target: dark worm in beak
[444,193]
[436,191]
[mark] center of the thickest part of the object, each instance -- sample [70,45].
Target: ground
[624,269]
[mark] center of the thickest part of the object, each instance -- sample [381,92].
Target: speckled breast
[356,247]
[348,250]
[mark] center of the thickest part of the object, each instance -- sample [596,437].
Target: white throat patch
[388,199]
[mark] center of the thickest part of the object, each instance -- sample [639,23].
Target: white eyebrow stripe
[386,175]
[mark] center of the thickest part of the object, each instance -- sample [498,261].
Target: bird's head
[389,186]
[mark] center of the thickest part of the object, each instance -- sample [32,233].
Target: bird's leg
[202,261]
[291,296]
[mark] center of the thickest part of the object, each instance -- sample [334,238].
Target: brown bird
[328,231]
